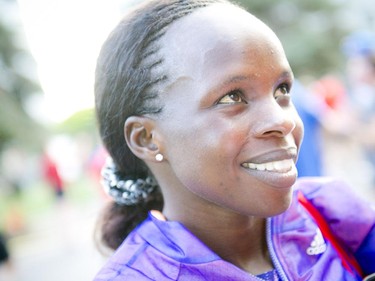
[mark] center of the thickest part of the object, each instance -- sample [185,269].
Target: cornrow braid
[126,83]
[174,12]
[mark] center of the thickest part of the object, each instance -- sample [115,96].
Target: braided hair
[126,85]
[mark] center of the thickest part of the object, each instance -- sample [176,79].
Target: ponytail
[117,221]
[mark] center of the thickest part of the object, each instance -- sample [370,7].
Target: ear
[140,135]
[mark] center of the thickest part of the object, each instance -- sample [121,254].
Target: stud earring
[159,157]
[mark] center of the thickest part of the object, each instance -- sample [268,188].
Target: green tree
[16,85]
[309,30]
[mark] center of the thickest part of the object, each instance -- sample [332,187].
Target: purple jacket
[159,250]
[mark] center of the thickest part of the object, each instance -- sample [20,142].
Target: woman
[194,108]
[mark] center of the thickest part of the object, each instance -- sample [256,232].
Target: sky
[65,37]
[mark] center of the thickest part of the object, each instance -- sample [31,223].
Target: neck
[236,238]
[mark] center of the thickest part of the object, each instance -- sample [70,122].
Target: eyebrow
[235,79]
[287,74]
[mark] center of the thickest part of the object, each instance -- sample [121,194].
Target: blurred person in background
[324,110]
[4,254]
[359,48]
[310,109]
[95,164]
[52,176]
[5,263]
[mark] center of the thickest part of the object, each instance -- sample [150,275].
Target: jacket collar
[174,240]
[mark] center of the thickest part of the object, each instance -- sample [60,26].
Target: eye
[282,91]
[233,97]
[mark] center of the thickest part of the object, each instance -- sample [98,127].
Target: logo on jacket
[318,245]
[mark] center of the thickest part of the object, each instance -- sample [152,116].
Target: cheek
[206,137]
[200,154]
[222,141]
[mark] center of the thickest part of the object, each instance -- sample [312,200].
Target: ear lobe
[139,135]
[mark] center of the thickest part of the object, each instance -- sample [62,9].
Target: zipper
[272,251]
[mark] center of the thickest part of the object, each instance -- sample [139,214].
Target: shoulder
[111,272]
[299,243]
[142,256]
[341,206]
[314,184]
[330,193]
[120,265]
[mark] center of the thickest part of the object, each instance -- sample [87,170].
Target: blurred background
[50,152]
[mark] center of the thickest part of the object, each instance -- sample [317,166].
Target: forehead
[217,36]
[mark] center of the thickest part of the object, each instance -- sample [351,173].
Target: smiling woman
[193,103]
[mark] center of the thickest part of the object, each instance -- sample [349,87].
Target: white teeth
[269,166]
[260,167]
[276,166]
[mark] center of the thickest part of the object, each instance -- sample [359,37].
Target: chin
[279,205]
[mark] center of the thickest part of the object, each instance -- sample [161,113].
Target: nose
[275,120]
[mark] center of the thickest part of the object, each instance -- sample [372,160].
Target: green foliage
[15,87]
[309,31]
[15,125]
[81,121]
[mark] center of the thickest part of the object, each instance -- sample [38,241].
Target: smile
[281,166]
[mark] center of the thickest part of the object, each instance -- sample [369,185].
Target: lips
[276,168]
[274,155]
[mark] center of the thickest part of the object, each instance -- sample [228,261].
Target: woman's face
[230,131]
